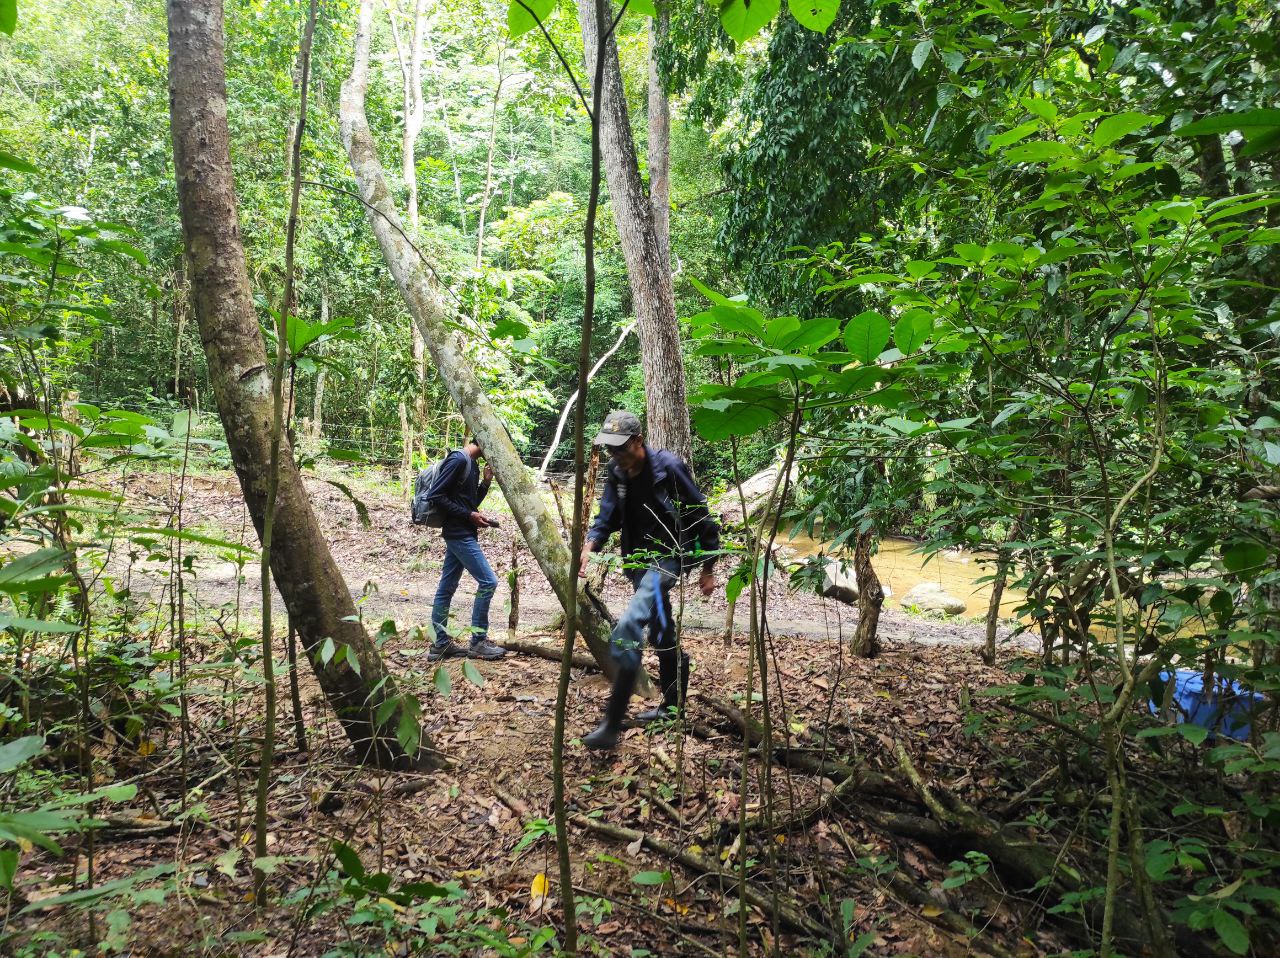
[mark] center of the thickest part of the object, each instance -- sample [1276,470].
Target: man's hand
[487,474]
[479,520]
[586,557]
[707,582]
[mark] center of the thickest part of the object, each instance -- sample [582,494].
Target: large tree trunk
[317,598]
[422,295]
[648,262]
[660,135]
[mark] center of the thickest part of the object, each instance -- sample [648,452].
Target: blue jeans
[460,554]
[649,611]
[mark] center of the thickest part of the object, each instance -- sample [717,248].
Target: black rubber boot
[605,737]
[675,687]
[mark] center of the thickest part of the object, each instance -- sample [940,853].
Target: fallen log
[550,652]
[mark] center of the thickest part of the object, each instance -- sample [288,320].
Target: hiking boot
[447,649]
[484,649]
[673,676]
[605,737]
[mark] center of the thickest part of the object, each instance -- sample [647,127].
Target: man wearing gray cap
[651,499]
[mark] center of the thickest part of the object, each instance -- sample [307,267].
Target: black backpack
[423,512]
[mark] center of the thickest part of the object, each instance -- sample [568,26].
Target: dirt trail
[392,568]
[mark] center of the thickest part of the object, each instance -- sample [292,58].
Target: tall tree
[660,133]
[645,251]
[421,291]
[314,591]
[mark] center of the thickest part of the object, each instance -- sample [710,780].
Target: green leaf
[817,15]
[326,651]
[45,626]
[1195,734]
[8,867]
[472,674]
[1229,122]
[735,418]
[1244,556]
[921,53]
[645,8]
[443,684]
[912,331]
[9,18]
[1009,137]
[8,160]
[651,878]
[1116,127]
[1231,932]
[743,19]
[525,15]
[866,336]
[13,754]
[348,859]
[33,572]
[811,335]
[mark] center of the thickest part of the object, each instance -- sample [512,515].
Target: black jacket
[674,504]
[458,492]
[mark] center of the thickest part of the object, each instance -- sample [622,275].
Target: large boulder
[755,491]
[930,597]
[839,583]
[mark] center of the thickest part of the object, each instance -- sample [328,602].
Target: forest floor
[466,824]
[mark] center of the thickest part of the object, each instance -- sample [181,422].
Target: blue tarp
[1229,708]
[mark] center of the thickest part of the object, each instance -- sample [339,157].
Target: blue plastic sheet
[1229,707]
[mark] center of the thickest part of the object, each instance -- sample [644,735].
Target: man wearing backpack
[650,497]
[455,497]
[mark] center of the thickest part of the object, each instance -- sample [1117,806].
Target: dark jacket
[674,503]
[457,493]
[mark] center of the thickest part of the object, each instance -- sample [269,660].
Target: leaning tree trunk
[865,643]
[314,592]
[421,292]
[646,255]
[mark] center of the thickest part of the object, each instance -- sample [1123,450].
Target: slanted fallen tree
[420,288]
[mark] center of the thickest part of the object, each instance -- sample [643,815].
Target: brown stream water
[902,568]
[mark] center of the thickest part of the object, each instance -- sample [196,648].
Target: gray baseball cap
[619,426]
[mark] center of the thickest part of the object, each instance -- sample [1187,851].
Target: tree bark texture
[660,135]
[421,292]
[870,600]
[647,257]
[303,568]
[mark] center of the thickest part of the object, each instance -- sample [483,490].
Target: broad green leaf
[472,674]
[13,754]
[1244,556]
[1195,734]
[743,19]
[46,626]
[1229,122]
[645,8]
[8,867]
[651,878]
[1231,932]
[525,15]
[9,17]
[1037,152]
[349,859]
[33,572]
[1116,127]
[442,681]
[326,651]
[187,535]
[8,160]
[736,418]
[811,335]
[866,335]
[1095,33]
[1009,137]
[817,15]
[920,53]
[912,331]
